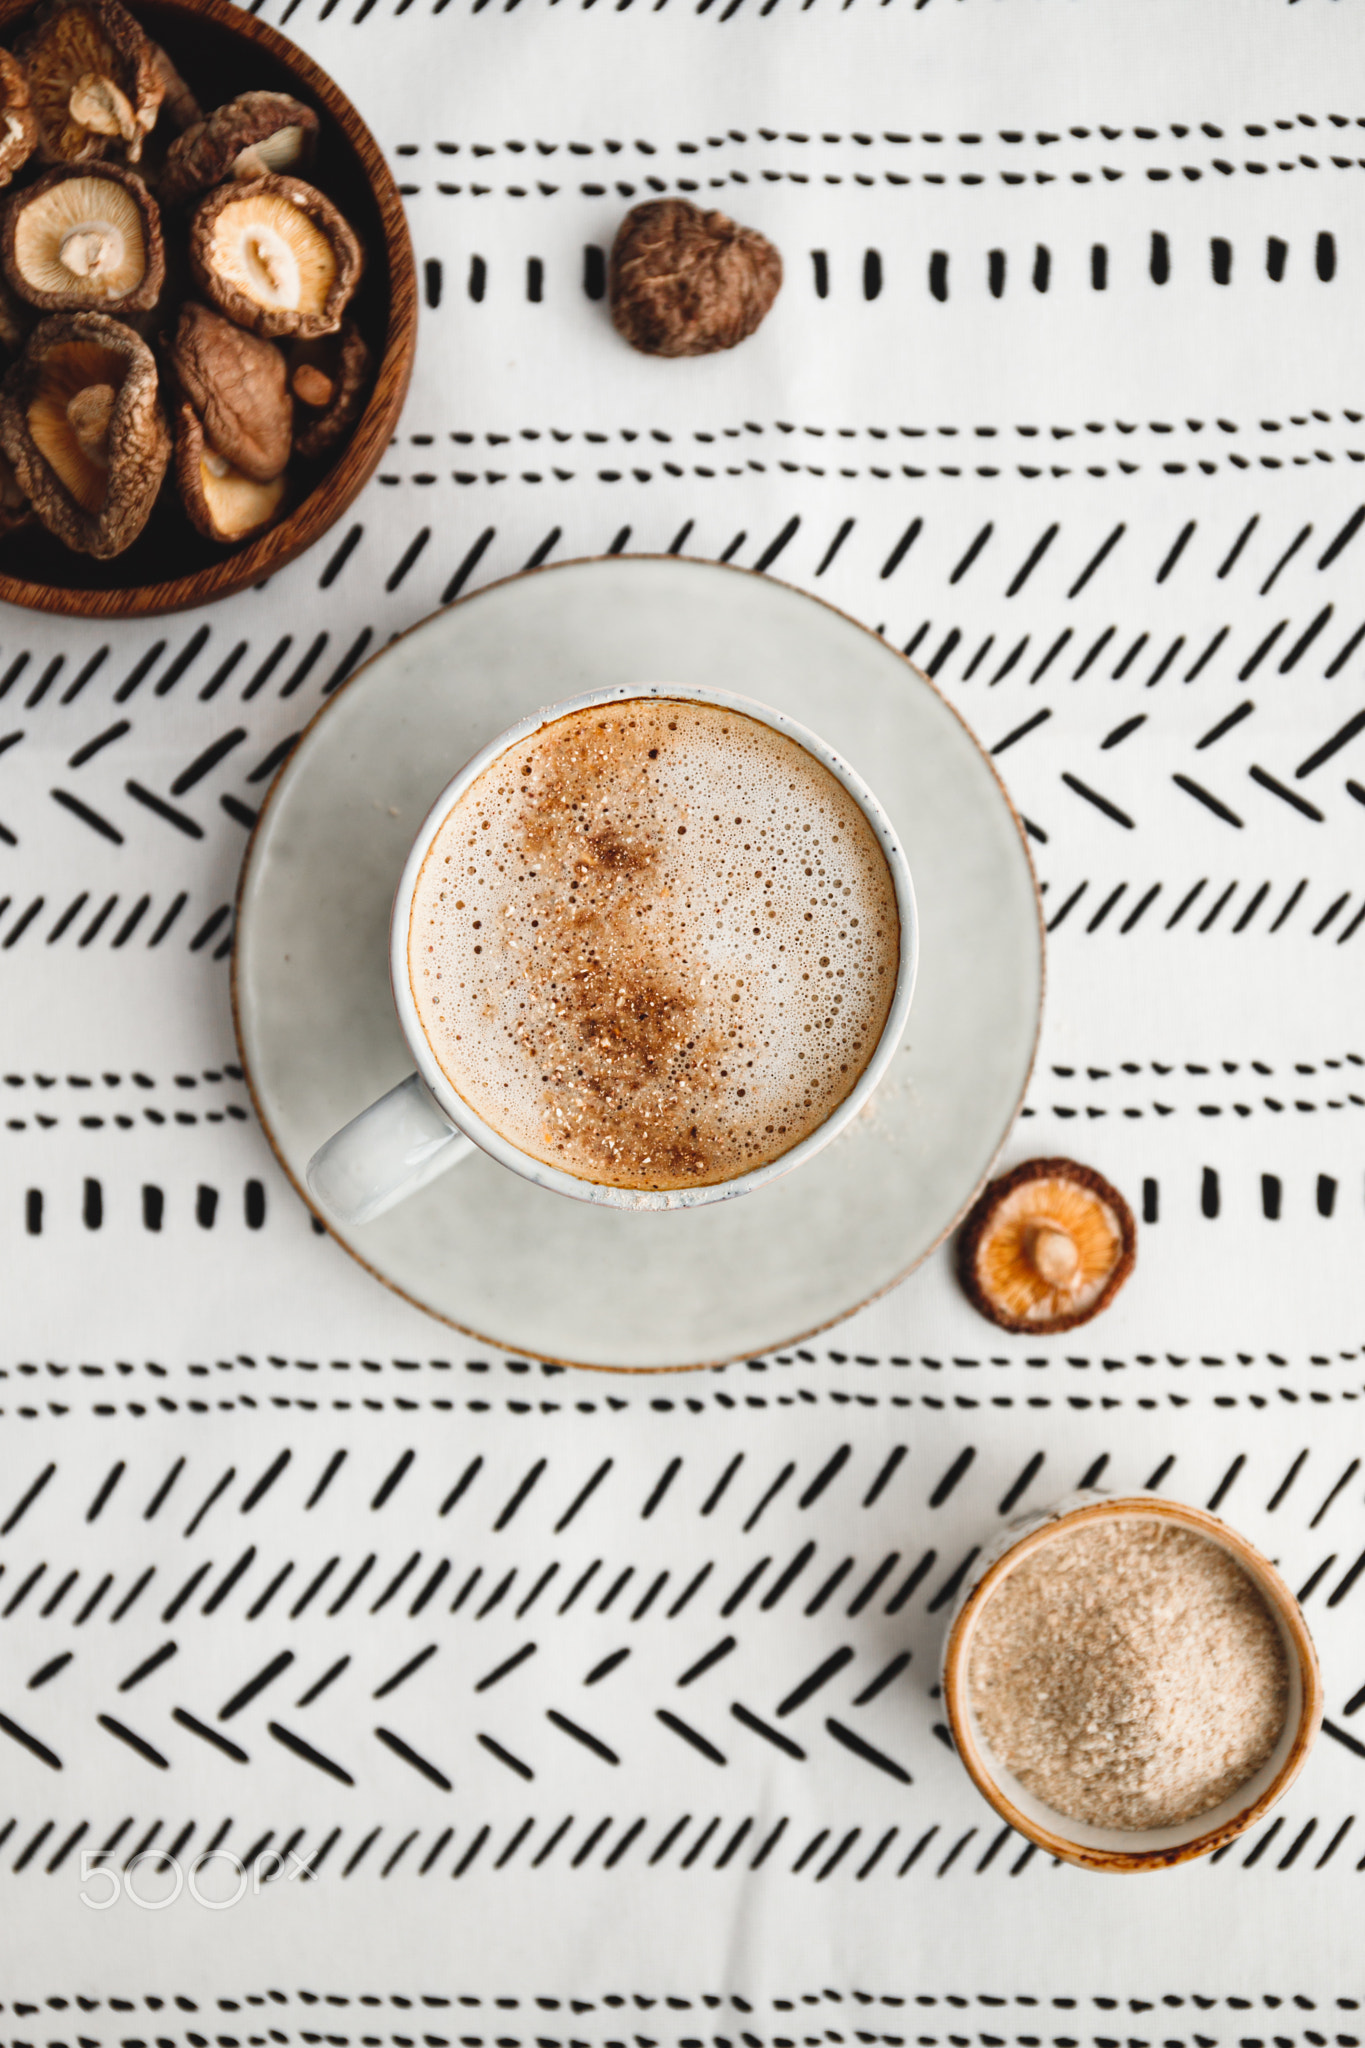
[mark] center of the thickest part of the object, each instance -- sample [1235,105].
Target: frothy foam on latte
[654,944]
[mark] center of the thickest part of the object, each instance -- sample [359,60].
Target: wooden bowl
[1115,1849]
[221,51]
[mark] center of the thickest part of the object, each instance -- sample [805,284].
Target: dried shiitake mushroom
[94,79]
[15,509]
[16,318]
[84,236]
[252,136]
[81,422]
[178,103]
[275,256]
[18,122]
[1046,1247]
[686,283]
[223,503]
[328,379]
[238,387]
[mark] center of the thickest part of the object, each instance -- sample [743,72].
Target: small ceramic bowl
[1116,1849]
[223,50]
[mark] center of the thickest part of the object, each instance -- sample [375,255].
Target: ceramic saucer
[482,1248]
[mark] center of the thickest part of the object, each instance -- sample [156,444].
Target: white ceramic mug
[421,1127]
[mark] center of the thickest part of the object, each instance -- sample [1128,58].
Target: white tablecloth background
[948,465]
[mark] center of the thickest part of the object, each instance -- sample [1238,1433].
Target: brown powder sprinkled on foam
[654,944]
[1129,1673]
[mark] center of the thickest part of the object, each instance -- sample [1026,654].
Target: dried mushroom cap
[313,386]
[328,379]
[275,256]
[222,502]
[252,136]
[81,421]
[238,387]
[16,318]
[94,79]
[18,122]
[15,509]
[84,237]
[178,103]
[686,283]
[1047,1246]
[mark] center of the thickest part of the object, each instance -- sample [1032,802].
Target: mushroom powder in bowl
[1129,1673]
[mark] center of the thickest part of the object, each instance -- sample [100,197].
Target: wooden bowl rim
[1272,1587]
[339,486]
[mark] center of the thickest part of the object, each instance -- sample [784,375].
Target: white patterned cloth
[604,1710]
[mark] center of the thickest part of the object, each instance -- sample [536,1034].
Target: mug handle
[385,1154]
